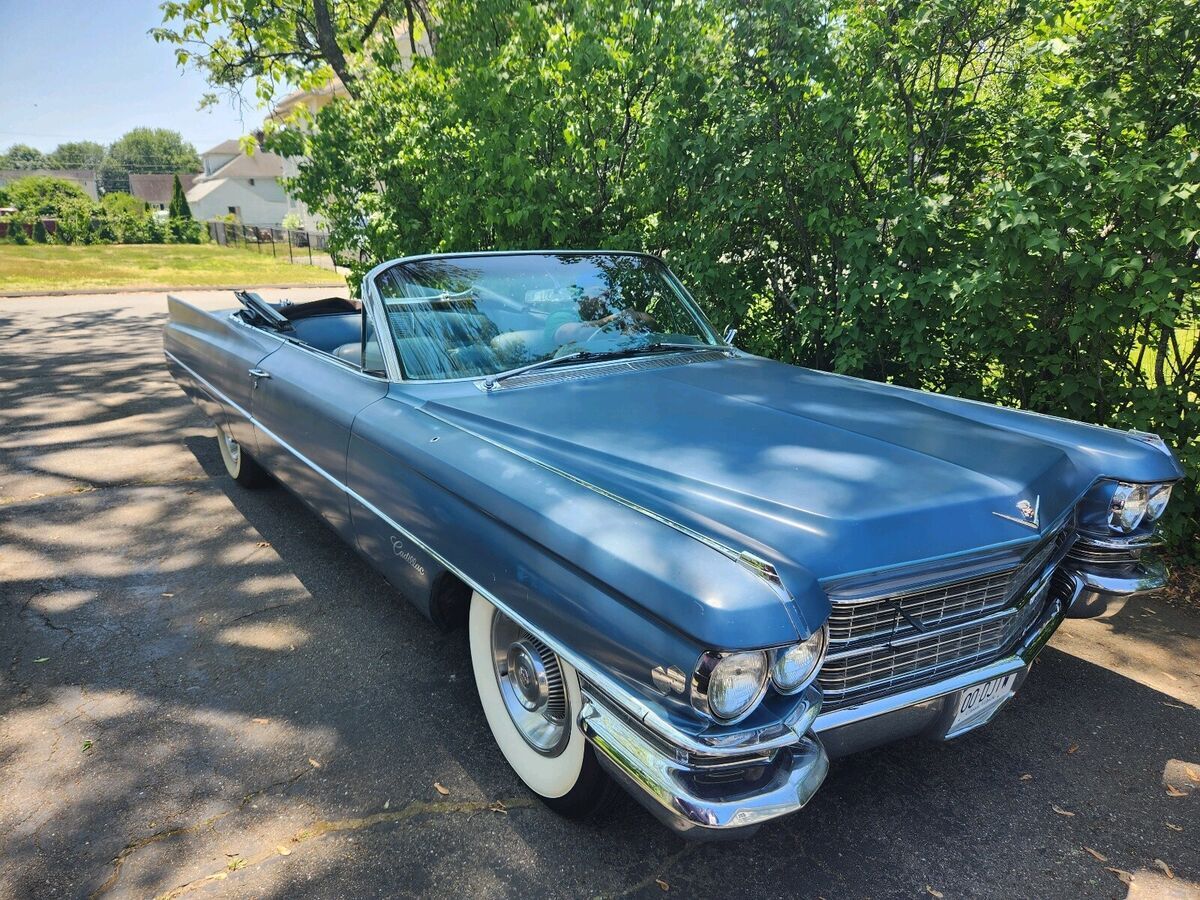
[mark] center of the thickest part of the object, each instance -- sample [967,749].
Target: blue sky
[73,70]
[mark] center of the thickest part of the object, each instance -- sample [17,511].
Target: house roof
[231,147]
[158,188]
[202,189]
[260,165]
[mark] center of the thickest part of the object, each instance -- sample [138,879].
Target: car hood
[820,474]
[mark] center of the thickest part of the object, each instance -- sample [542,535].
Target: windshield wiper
[578,355]
[492,380]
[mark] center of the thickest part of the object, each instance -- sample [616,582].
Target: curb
[161,289]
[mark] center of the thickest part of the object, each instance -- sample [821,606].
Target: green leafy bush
[183,231]
[43,195]
[122,203]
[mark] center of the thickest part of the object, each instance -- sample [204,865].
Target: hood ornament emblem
[1030,514]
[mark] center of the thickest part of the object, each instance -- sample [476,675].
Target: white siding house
[246,186]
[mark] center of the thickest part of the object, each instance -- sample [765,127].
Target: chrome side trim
[720,745]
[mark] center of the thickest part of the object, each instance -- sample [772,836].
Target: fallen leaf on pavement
[1126,877]
[1027,777]
[662,884]
[1173,791]
[1165,868]
[312,762]
[932,892]
[1174,827]
[441,788]
[1072,748]
[87,745]
[1100,857]
[42,659]
[1061,811]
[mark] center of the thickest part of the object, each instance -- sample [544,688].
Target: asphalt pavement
[204,693]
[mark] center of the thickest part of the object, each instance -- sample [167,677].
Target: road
[203,693]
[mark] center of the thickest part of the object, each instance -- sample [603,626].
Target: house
[85,178]
[240,184]
[287,110]
[157,190]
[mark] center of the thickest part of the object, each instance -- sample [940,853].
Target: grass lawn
[53,267]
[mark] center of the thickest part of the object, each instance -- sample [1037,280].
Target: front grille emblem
[1030,514]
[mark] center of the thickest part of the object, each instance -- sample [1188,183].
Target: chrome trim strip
[729,746]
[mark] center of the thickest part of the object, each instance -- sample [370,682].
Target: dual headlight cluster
[728,686]
[1134,504]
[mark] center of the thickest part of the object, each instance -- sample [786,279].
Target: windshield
[471,316]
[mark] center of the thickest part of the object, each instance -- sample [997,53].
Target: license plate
[976,703]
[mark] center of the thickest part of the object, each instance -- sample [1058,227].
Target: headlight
[1128,507]
[728,686]
[795,665]
[1157,504]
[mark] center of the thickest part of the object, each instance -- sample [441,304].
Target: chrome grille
[883,644]
[861,621]
[880,668]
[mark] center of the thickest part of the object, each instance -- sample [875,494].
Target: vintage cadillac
[683,569]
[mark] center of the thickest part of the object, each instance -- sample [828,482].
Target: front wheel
[531,700]
[238,463]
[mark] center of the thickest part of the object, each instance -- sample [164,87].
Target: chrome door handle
[259,373]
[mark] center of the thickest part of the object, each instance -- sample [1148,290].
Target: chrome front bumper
[730,795]
[1105,588]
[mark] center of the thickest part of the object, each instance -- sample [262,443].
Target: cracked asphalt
[203,693]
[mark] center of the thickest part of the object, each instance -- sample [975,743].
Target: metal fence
[310,248]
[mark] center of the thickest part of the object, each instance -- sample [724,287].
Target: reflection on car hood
[815,472]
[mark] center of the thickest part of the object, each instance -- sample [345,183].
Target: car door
[304,404]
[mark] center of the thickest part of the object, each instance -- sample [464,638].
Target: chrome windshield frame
[373,297]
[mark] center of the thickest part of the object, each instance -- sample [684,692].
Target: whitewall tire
[238,463]
[531,701]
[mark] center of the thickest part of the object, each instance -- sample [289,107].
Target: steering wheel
[626,313]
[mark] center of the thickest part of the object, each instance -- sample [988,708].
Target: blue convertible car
[683,569]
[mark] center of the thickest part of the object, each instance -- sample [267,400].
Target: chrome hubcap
[531,685]
[232,447]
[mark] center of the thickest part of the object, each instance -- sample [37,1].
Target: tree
[287,42]
[76,155]
[146,150]
[22,156]
[179,206]
[43,195]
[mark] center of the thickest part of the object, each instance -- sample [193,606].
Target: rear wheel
[531,700]
[238,463]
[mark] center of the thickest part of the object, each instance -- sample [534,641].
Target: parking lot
[203,692]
